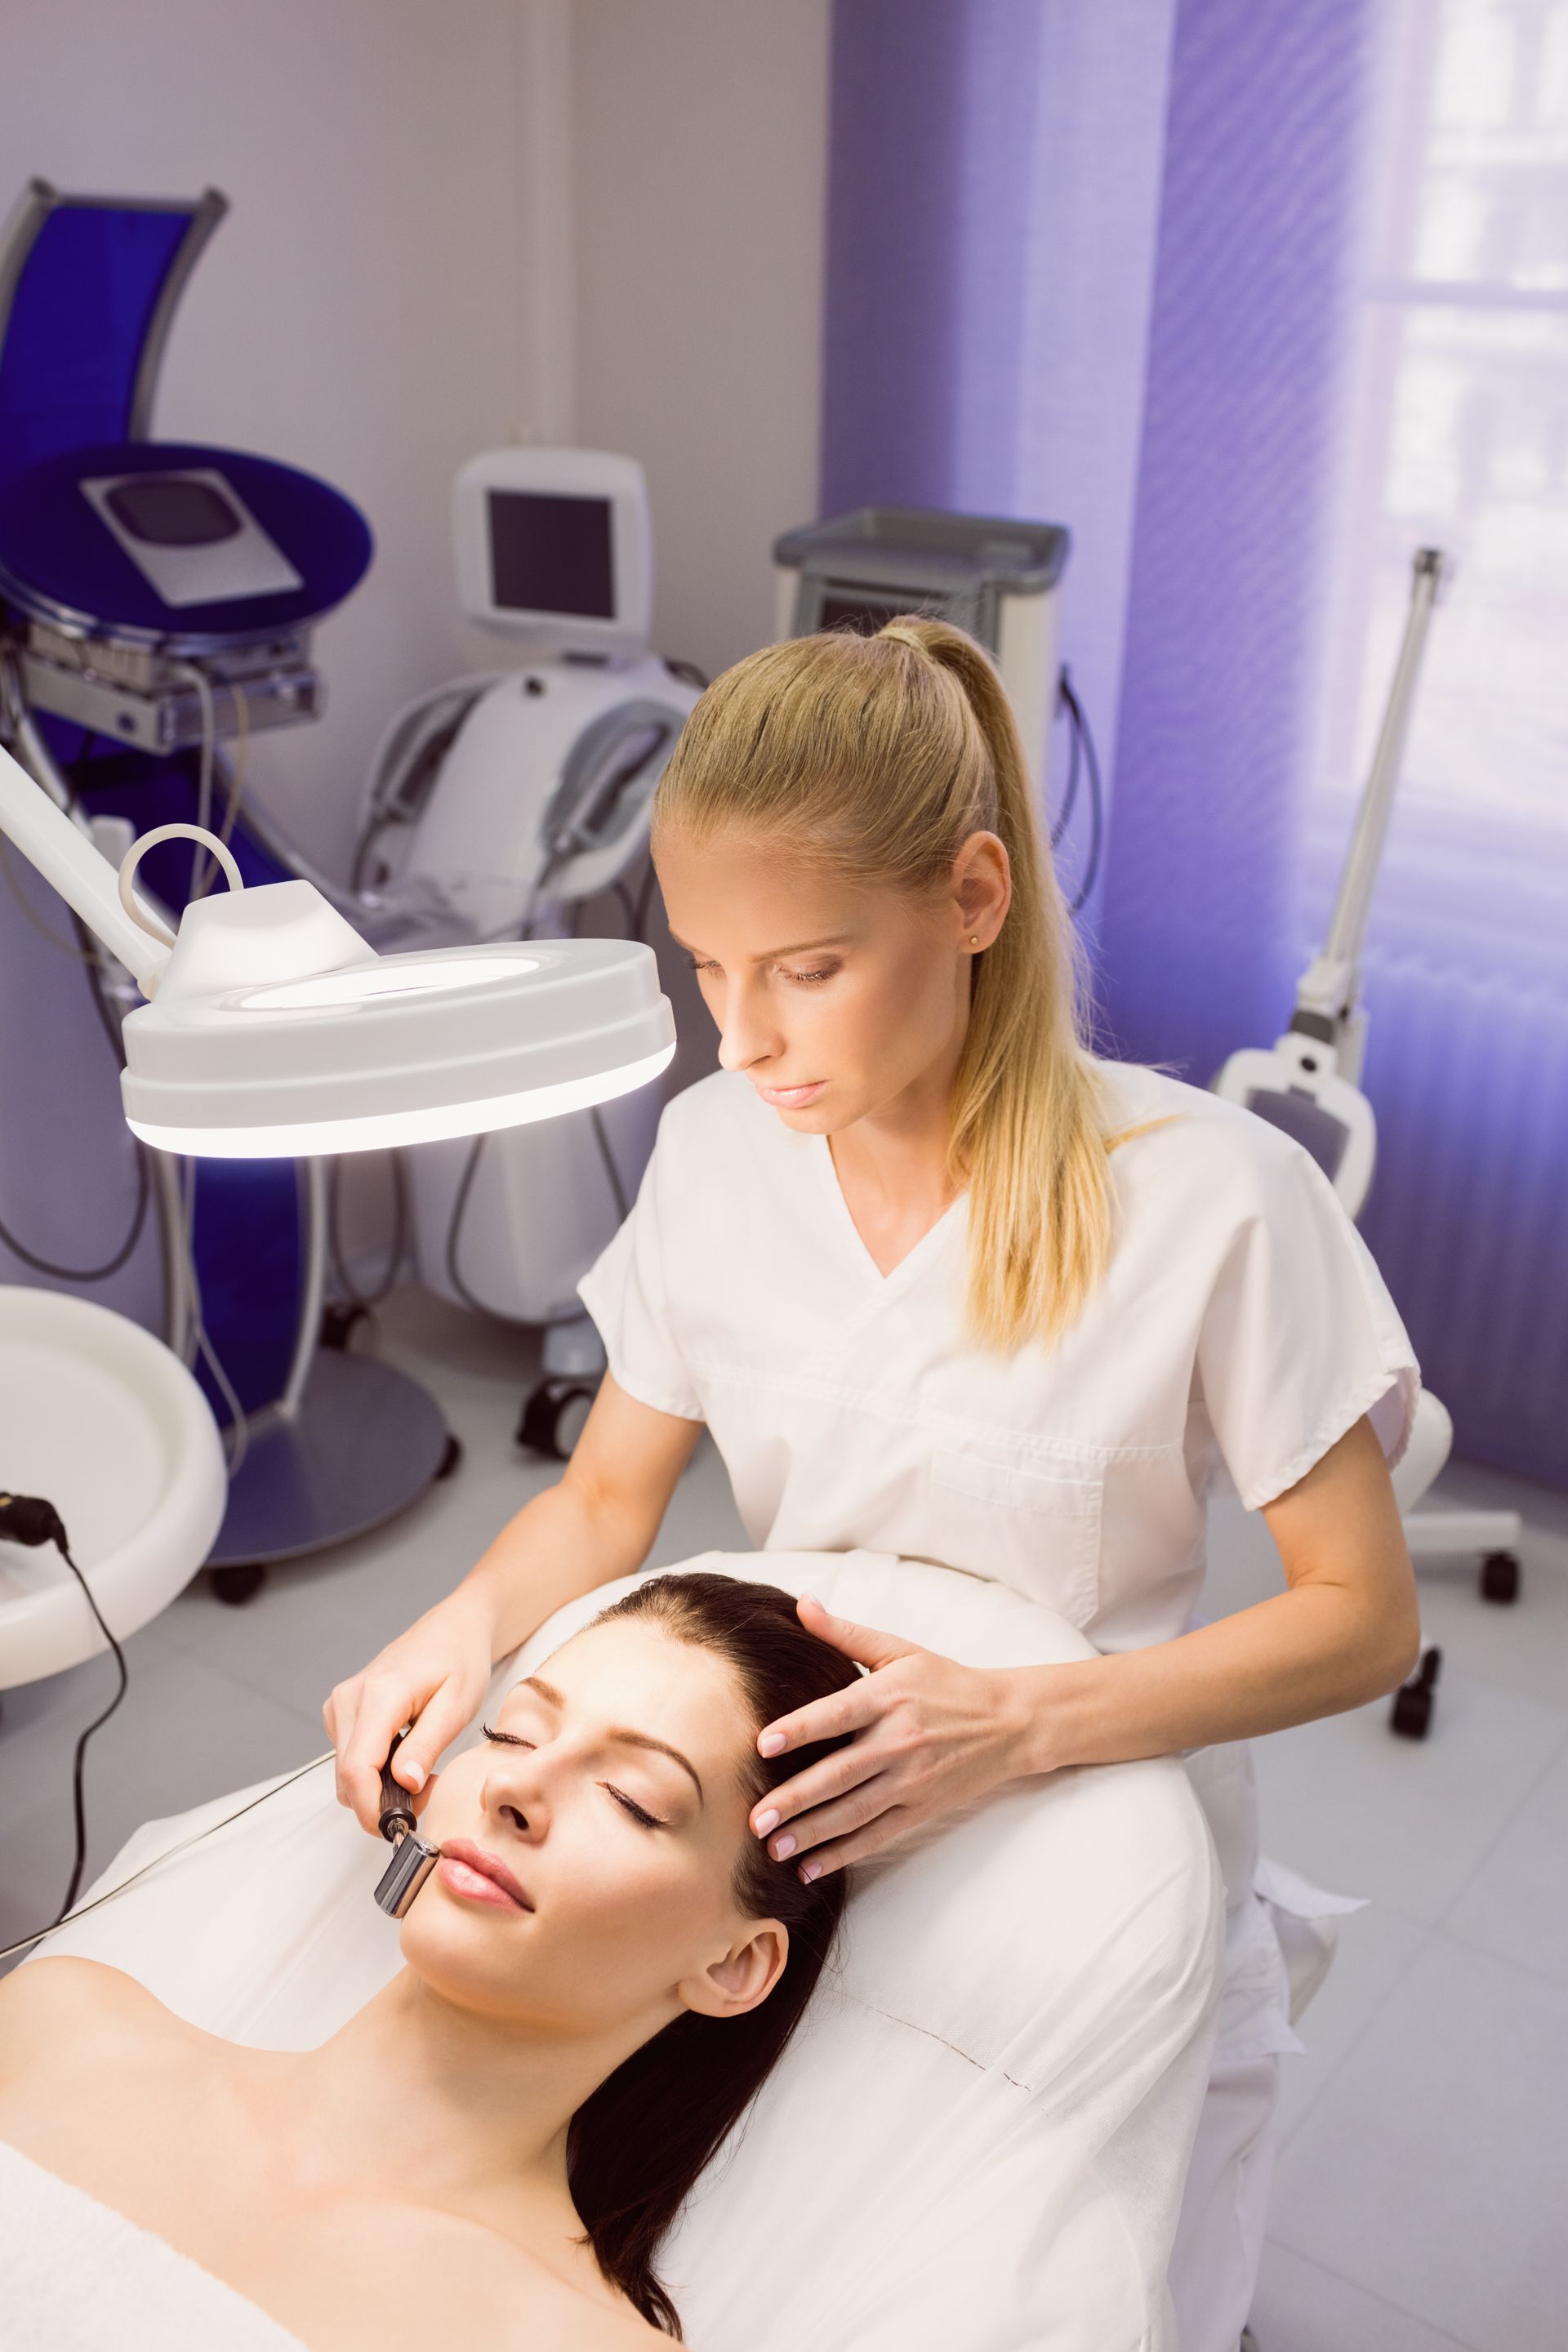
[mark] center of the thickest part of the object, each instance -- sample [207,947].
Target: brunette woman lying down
[599,1974]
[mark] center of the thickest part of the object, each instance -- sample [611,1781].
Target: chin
[458,1947]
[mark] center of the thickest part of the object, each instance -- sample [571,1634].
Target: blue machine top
[60,561]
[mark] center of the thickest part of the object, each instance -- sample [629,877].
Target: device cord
[85,954]
[24,1943]
[29,1519]
[367,1299]
[1095,792]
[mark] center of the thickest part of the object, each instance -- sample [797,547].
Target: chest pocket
[1035,1530]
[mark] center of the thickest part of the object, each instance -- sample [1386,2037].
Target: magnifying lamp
[273,1030]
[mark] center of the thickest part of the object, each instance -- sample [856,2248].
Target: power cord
[69,1917]
[29,1519]
[1081,736]
[85,952]
[368,1299]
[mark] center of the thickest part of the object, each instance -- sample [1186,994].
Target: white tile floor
[1419,2201]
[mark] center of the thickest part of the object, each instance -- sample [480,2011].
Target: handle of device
[396,1804]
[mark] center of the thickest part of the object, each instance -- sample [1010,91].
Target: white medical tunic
[1241,1328]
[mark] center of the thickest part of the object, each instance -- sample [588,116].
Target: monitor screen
[864,612]
[551,554]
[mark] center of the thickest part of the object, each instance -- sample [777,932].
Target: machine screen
[864,615]
[551,554]
[173,510]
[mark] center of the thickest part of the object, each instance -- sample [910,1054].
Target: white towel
[75,2276]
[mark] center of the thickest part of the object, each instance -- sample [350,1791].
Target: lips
[475,1860]
[791,1098]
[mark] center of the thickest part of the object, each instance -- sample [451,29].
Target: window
[1458,403]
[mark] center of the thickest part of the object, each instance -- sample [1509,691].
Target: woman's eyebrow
[552,1697]
[800,946]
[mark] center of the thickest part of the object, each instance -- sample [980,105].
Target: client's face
[614,1908]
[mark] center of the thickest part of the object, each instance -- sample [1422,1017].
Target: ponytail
[880,756]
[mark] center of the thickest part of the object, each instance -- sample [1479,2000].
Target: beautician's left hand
[934,1736]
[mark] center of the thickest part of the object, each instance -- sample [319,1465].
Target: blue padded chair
[155,596]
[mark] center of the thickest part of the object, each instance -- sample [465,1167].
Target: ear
[745,1976]
[982,887]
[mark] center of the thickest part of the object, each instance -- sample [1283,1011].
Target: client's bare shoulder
[56,2011]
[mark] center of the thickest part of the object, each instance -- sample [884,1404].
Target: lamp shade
[275,1030]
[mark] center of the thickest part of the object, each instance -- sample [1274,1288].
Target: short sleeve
[624,1291]
[1300,1336]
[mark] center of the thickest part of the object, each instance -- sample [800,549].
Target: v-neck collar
[913,1260]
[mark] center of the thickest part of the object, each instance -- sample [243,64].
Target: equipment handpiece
[412,1860]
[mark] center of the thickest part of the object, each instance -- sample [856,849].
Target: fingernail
[810,1870]
[784,1849]
[416,1775]
[814,1596]
[768,1820]
[770,1742]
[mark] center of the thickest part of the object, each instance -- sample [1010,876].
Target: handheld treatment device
[412,1860]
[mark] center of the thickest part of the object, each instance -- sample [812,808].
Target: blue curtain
[1090,262]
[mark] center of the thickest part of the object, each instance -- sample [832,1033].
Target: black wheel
[1500,1577]
[1412,1712]
[451,1458]
[236,1586]
[553,1417]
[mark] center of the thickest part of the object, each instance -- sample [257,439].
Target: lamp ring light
[138,851]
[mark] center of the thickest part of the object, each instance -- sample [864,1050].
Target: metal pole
[1348,929]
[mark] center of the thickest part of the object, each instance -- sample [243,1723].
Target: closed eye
[648,1820]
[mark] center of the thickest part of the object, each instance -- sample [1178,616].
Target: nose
[746,1034]
[516,1790]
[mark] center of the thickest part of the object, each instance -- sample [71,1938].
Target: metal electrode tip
[411,1865]
[412,1860]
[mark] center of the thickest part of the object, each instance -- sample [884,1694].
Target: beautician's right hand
[434,1677]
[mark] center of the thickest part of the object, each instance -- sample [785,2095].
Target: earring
[975,938]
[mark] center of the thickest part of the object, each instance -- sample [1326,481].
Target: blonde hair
[878,757]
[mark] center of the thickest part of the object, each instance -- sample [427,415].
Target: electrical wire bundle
[1082,752]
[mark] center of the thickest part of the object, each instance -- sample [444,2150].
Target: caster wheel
[1412,1712]
[236,1586]
[1500,1577]
[553,1415]
[450,1459]
[338,1319]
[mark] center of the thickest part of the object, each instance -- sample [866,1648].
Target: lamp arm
[63,854]
[1329,985]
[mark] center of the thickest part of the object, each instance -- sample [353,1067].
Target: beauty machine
[992,575]
[520,799]
[997,578]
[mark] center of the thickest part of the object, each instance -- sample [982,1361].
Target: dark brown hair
[637,2143]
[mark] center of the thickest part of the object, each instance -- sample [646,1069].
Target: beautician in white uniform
[942,1285]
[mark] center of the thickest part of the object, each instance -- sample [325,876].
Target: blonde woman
[943,1283]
